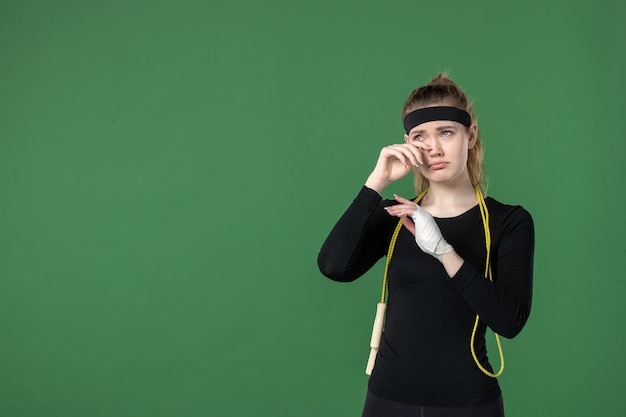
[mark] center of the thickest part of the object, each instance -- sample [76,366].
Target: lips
[438,165]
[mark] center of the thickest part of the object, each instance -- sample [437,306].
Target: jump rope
[377,331]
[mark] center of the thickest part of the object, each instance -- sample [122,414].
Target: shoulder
[500,209]
[507,216]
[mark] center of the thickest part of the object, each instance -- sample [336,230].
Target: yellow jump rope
[377,331]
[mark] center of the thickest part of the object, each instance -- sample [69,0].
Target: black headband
[428,114]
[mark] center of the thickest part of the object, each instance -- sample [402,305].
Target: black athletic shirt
[425,357]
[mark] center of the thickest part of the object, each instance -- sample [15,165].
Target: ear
[406,138]
[473,135]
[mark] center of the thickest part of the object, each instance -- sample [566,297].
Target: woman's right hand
[394,163]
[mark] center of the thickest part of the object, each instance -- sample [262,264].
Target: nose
[435,148]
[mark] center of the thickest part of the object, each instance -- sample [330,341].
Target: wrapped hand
[427,234]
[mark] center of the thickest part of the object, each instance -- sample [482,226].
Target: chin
[444,178]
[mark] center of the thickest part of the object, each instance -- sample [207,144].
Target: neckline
[466,212]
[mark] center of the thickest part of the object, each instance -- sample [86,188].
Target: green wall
[169,170]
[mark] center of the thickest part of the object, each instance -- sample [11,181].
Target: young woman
[460,262]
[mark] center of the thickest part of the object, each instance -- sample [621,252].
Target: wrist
[452,262]
[376,184]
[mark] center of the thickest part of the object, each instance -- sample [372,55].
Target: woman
[460,263]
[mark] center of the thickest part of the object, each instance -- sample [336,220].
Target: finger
[389,154]
[403,200]
[400,210]
[414,153]
[404,153]
[423,147]
[417,148]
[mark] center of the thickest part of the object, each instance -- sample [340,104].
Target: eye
[418,138]
[446,133]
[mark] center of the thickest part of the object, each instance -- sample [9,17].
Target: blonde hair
[441,90]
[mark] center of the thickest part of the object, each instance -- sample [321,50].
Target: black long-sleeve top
[425,357]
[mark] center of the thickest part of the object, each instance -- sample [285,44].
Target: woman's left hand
[404,211]
[427,234]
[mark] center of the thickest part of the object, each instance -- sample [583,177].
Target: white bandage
[427,234]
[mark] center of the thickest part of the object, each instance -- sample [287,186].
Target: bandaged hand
[427,234]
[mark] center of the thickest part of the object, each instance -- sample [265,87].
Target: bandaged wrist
[427,234]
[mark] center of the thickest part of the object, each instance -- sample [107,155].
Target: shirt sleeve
[504,304]
[358,240]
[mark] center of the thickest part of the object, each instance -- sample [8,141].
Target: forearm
[356,242]
[374,182]
[503,306]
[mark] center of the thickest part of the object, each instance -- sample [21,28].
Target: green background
[169,170]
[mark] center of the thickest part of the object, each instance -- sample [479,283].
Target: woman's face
[448,144]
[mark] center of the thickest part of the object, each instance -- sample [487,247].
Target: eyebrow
[439,128]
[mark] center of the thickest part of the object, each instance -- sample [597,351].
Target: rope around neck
[484,213]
